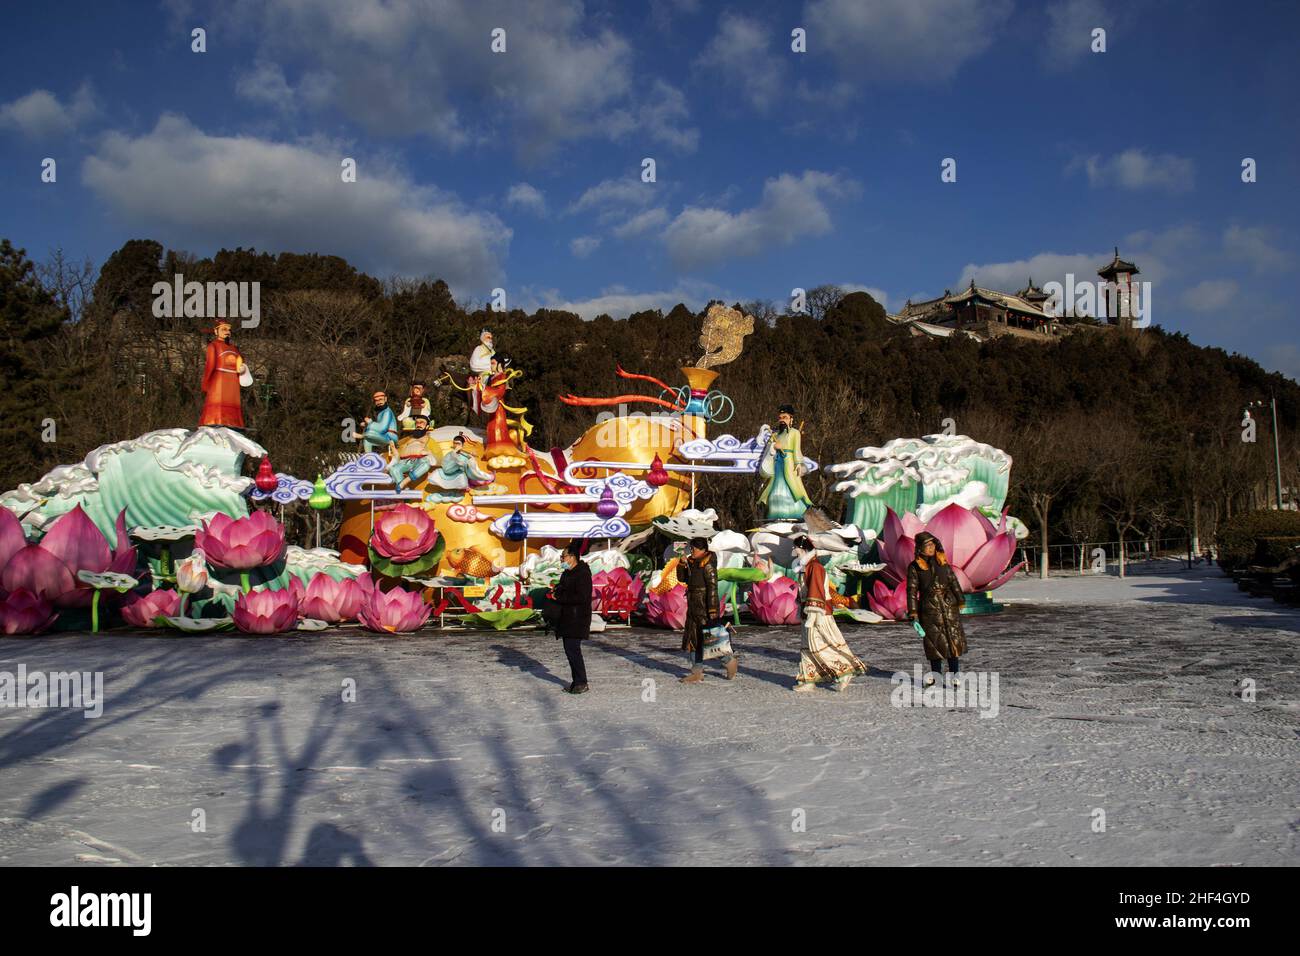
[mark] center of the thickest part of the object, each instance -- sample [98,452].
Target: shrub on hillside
[1238,537]
[1272,551]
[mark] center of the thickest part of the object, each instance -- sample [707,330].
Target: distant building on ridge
[982,313]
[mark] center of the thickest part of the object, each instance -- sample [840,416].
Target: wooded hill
[1111,431]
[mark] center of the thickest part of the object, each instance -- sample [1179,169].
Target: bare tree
[1127,479]
[762,310]
[1082,523]
[820,299]
[71,282]
[1051,455]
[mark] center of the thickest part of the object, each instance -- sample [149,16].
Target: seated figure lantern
[456,473]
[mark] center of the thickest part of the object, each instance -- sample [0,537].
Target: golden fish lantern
[470,563]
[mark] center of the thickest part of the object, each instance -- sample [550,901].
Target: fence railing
[1083,556]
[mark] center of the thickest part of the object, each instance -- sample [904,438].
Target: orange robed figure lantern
[223,373]
[505,436]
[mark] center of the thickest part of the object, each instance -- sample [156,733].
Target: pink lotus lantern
[142,610]
[265,611]
[667,609]
[396,612]
[48,569]
[775,601]
[615,591]
[23,612]
[328,600]
[12,539]
[889,603]
[192,573]
[403,534]
[241,544]
[977,550]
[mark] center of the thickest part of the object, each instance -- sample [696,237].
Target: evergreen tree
[29,317]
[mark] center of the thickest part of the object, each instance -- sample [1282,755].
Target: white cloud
[189,188]
[664,12]
[266,85]
[1136,169]
[1160,255]
[402,67]
[1284,358]
[1211,295]
[1069,31]
[740,57]
[1168,259]
[1042,268]
[791,207]
[620,302]
[660,117]
[1254,245]
[878,294]
[907,40]
[40,114]
[641,223]
[524,196]
[614,197]
[584,246]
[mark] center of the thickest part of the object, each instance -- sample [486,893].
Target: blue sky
[774,169]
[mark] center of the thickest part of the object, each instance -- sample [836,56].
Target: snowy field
[1114,696]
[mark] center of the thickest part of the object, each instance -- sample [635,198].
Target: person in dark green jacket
[699,572]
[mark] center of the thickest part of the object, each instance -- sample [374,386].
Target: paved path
[1127,708]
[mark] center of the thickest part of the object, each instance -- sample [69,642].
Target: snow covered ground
[1114,696]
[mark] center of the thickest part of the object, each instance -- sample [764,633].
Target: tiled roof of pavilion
[940,331]
[1116,265]
[1007,300]
[1031,293]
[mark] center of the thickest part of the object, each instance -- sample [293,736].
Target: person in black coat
[572,595]
[935,600]
[699,572]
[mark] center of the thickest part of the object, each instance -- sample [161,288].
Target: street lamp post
[1277,454]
